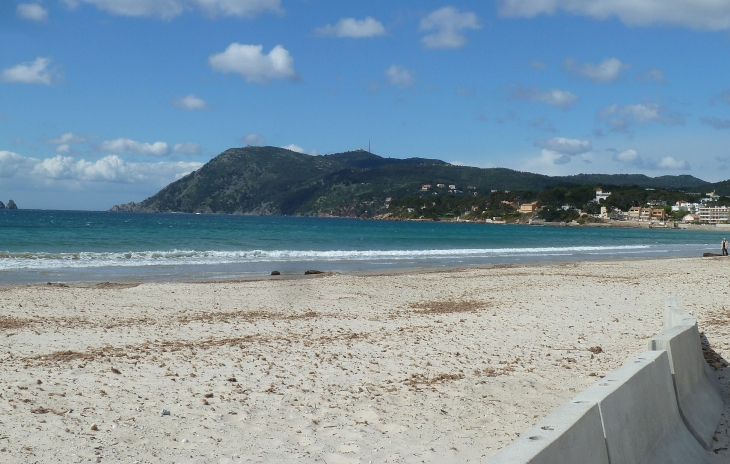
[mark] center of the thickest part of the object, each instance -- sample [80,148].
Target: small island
[11,205]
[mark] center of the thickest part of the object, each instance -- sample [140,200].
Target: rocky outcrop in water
[126,208]
[2,205]
[12,205]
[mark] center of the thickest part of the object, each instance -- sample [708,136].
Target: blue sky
[107,101]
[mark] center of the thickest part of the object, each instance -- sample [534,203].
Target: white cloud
[400,76]
[32,72]
[241,8]
[448,24]
[695,14]
[253,138]
[124,145]
[111,168]
[187,148]
[565,146]
[168,9]
[353,28]
[65,141]
[620,118]
[562,99]
[254,66]
[670,162]
[295,148]
[630,157]
[11,162]
[32,12]
[606,71]
[190,102]
[67,138]
[37,174]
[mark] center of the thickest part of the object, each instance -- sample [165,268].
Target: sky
[107,101]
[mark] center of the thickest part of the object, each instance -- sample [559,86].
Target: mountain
[274,181]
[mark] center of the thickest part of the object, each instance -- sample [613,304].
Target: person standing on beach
[724,247]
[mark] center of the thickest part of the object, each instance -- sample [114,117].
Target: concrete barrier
[641,421]
[572,434]
[674,315]
[698,391]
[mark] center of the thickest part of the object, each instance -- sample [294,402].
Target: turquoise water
[40,246]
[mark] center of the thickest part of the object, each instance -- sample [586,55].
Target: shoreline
[382,272]
[427,366]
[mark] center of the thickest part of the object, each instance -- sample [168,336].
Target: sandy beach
[412,367]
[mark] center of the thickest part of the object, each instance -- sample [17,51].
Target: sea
[38,246]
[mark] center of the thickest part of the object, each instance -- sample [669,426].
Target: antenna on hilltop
[369,146]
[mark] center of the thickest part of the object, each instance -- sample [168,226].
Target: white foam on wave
[39,260]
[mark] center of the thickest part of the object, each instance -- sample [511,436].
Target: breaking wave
[43,260]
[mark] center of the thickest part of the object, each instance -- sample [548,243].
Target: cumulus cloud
[447,24]
[632,158]
[621,118]
[565,146]
[294,147]
[606,71]
[32,72]
[187,148]
[400,76]
[559,98]
[253,138]
[110,168]
[11,162]
[190,102]
[353,28]
[65,141]
[670,162]
[32,12]
[250,63]
[628,157]
[124,145]
[717,123]
[695,14]
[168,9]
[67,138]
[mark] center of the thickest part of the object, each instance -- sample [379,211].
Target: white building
[601,195]
[714,215]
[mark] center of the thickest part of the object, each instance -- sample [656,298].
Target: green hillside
[274,181]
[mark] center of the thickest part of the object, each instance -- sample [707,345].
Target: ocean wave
[43,260]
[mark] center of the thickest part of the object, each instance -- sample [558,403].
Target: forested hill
[271,180]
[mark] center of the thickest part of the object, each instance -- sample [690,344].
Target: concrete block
[641,421]
[674,315]
[572,434]
[698,392]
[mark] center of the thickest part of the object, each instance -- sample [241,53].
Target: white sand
[417,367]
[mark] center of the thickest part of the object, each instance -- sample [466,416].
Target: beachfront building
[714,215]
[601,195]
[637,213]
[691,218]
[529,207]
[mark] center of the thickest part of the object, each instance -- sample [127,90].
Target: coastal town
[693,208]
